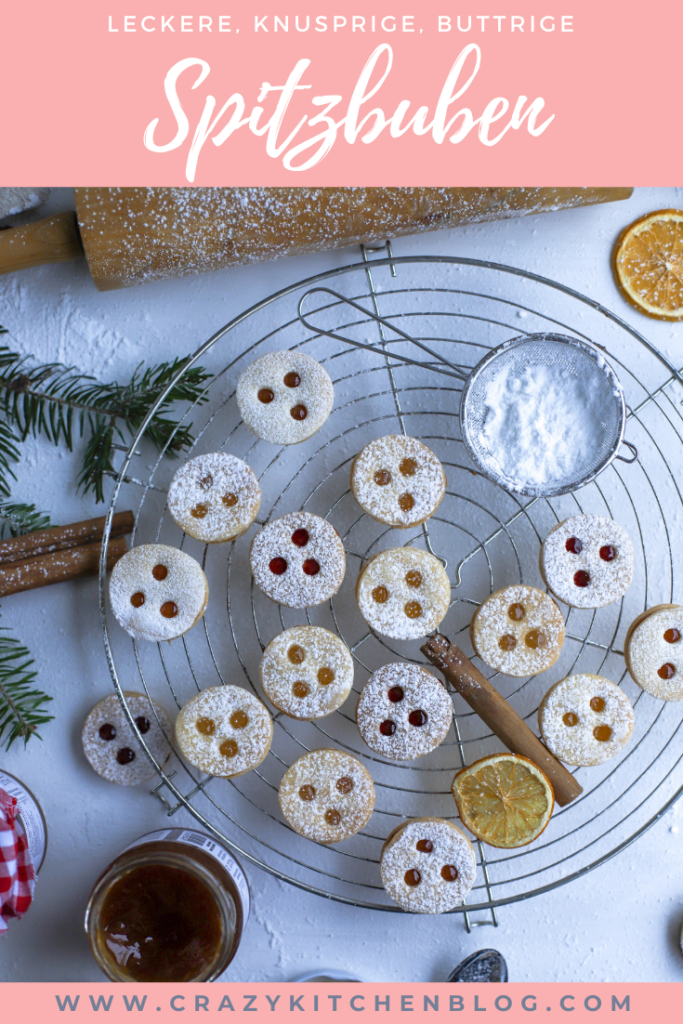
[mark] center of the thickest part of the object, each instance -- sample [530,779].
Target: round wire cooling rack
[486,537]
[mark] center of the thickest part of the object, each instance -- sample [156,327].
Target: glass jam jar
[30,817]
[171,907]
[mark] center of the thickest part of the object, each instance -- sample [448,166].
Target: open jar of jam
[171,907]
[30,817]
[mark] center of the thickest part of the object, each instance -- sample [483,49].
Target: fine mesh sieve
[576,358]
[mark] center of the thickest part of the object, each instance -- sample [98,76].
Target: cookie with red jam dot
[112,746]
[398,481]
[157,592]
[307,672]
[403,593]
[327,795]
[214,497]
[298,560]
[403,711]
[284,397]
[585,720]
[428,866]
[224,731]
[654,651]
[587,561]
[518,631]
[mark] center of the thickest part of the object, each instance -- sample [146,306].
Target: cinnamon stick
[500,716]
[64,564]
[60,538]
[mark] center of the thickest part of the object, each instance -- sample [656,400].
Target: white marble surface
[621,922]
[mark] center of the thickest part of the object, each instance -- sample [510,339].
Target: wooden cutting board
[133,235]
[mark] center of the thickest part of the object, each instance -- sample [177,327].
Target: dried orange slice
[648,264]
[504,799]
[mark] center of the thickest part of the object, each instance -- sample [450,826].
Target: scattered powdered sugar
[295,587]
[492,621]
[421,692]
[214,497]
[332,781]
[184,586]
[647,651]
[608,580]
[276,420]
[422,480]
[16,200]
[577,744]
[102,751]
[540,422]
[450,848]
[390,570]
[218,705]
[320,650]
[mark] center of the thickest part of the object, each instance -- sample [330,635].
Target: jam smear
[199,511]
[125,755]
[345,784]
[597,704]
[412,877]
[507,642]
[602,733]
[307,792]
[413,609]
[325,676]
[300,689]
[516,612]
[265,395]
[408,466]
[608,552]
[301,538]
[382,477]
[581,578]
[107,732]
[277,566]
[395,694]
[536,639]
[169,609]
[228,748]
[570,719]
[206,726]
[414,578]
[311,567]
[138,599]
[574,546]
[161,923]
[229,499]
[406,502]
[299,412]
[667,671]
[672,636]
[424,845]
[296,654]
[332,816]
[387,727]
[239,719]
[292,379]
[160,572]
[417,717]
[449,872]
[380,595]
[143,724]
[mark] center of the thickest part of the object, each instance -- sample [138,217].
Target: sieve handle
[454,371]
[634,453]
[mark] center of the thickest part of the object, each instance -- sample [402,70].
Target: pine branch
[20,518]
[22,709]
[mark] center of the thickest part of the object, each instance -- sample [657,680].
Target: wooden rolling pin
[500,716]
[132,235]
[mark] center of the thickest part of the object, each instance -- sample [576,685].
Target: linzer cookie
[585,719]
[224,731]
[398,481]
[403,593]
[654,652]
[428,866]
[327,795]
[307,672]
[284,397]
[587,561]
[158,592]
[518,631]
[403,712]
[111,746]
[298,560]
[214,497]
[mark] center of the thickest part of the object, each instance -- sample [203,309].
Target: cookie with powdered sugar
[224,731]
[298,560]
[111,746]
[585,720]
[398,481]
[403,593]
[654,651]
[587,561]
[157,592]
[214,497]
[327,795]
[307,672]
[518,631]
[428,866]
[284,397]
[403,711]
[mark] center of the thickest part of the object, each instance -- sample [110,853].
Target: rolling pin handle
[51,240]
